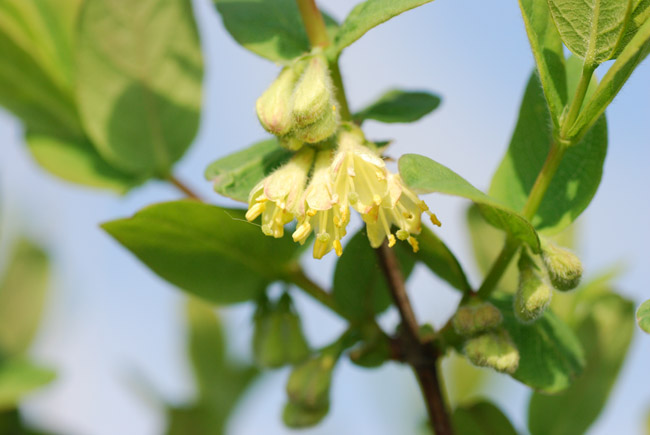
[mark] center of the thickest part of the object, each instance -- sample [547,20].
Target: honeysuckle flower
[401,208]
[320,210]
[277,197]
[359,174]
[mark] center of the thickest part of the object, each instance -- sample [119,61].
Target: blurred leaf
[399,106]
[436,256]
[18,378]
[426,175]
[481,418]
[643,316]
[139,81]
[551,356]
[369,14]
[360,287]
[12,424]
[591,30]
[205,250]
[75,160]
[633,54]
[270,28]
[546,45]
[235,175]
[462,379]
[605,330]
[577,179]
[220,382]
[22,297]
[36,72]
[487,243]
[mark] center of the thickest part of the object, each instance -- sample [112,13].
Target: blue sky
[112,325]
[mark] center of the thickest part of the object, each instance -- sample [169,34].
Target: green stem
[548,171]
[297,276]
[183,188]
[578,99]
[314,23]
[340,90]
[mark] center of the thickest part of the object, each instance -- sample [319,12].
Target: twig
[422,356]
[183,188]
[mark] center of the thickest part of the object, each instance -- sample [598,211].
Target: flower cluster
[351,176]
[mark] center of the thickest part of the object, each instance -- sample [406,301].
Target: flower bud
[320,130]
[533,294]
[474,318]
[563,266]
[278,339]
[274,107]
[309,383]
[312,96]
[493,349]
[297,417]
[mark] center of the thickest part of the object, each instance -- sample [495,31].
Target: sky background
[114,330]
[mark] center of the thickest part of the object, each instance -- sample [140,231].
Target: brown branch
[183,188]
[421,355]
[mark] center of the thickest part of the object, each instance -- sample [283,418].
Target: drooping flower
[277,197]
[401,208]
[359,174]
[320,210]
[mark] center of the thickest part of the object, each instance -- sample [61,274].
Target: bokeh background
[115,332]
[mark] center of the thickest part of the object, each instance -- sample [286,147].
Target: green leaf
[360,288]
[436,256]
[577,179]
[139,81]
[643,316]
[208,251]
[592,29]
[546,45]
[463,380]
[631,56]
[369,14]
[605,330]
[22,297]
[551,356]
[270,28]
[639,15]
[36,72]
[481,418]
[221,382]
[399,106]
[487,243]
[235,175]
[75,160]
[18,378]
[426,175]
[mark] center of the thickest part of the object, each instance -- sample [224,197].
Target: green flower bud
[493,349]
[313,95]
[321,129]
[278,339]
[563,266]
[476,317]
[533,294]
[274,107]
[309,383]
[295,416]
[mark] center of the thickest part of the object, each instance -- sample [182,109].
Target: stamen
[301,232]
[414,244]
[434,219]
[402,234]
[255,211]
[338,248]
[391,240]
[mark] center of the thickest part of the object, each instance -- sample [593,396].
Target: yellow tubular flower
[359,174]
[320,212]
[277,197]
[403,209]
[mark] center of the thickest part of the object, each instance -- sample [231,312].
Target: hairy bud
[474,318]
[274,107]
[278,339]
[563,266]
[493,349]
[533,294]
[309,383]
[312,97]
